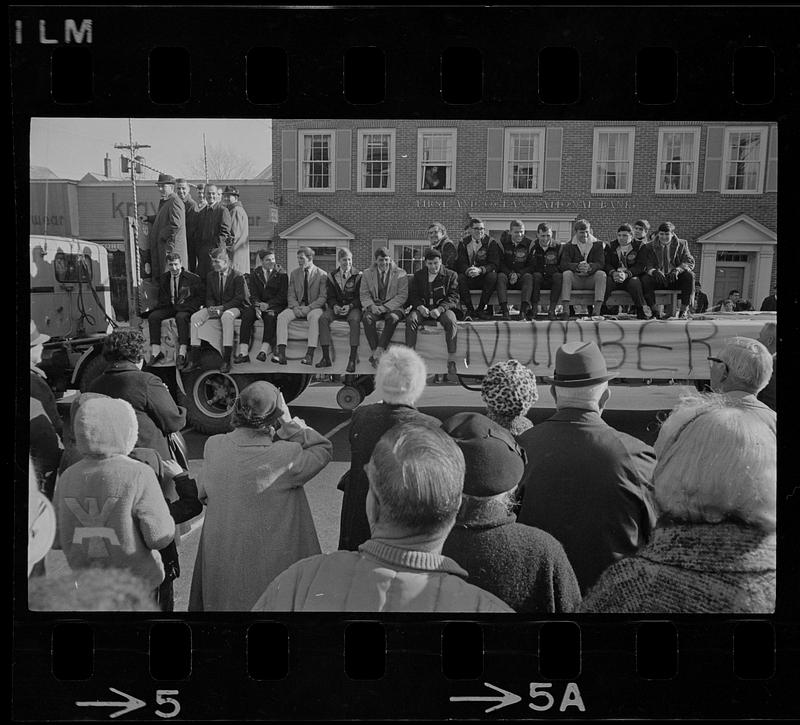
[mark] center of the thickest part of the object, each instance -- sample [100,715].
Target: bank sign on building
[362,183]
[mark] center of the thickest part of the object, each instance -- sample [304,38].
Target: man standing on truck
[214,229]
[192,214]
[239,241]
[167,226]
[180,295]
[224,302]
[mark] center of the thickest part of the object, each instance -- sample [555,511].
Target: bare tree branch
[224,164]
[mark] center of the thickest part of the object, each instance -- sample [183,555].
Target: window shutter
[771,183]
[289,160]
[552,159]
[712,175]
[494,159]
[343,159]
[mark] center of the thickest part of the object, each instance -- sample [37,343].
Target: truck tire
[209,399]
[90,370]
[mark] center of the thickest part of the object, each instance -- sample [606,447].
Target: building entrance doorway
[727,278]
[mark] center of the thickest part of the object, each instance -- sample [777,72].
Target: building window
[523,164]
[678,152]
[436,151]
[745,152]
[409,255]
[316,161]
[376,160]
[612,160]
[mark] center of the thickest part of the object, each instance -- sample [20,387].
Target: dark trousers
[632,286]
[546,281]
[390,320]
[447,320]
[269,318]
[524,282]
[164,596]
[183,319]
[684,283]
[353,319]
[484,282]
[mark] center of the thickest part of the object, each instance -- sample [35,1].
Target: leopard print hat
[509,389]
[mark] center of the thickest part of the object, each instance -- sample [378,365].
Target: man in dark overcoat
[167,226]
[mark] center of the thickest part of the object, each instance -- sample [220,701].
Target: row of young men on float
[438,293]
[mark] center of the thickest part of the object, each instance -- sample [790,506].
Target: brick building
[364,183]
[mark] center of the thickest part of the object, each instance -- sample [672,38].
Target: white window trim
[301,187]
[392,156]
[395,245]
[726,161]
[420,133]
[662,131]
[631,131]
[540,131]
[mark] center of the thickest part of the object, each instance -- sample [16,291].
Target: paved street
[631,409]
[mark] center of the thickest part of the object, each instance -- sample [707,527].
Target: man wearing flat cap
[239,240]
[167,227]
[524,566]
[586,483]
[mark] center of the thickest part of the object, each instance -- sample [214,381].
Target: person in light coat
[258,521]
[239,242]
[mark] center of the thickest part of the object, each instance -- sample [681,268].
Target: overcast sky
[73,146]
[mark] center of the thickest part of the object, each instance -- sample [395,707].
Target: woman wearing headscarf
[509,391]
[713,550]
[257,521]
[399,381]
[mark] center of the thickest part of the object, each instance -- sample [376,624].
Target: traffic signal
[139,160]
[124,164]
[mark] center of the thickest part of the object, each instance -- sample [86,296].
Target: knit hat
[509,389]
[257,405]
[401,375]
[494,462]
[105,427]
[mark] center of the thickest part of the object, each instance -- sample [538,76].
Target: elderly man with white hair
[714,550]
[416,477]
[768,337]
[586,484]
[740,372]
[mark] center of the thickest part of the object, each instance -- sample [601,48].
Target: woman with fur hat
[156,411]
[258,521]
[509,391]
[111,511]
[399,381]
[524,566]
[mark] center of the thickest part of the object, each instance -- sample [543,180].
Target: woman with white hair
[399,381]
[258,521]
[713,550]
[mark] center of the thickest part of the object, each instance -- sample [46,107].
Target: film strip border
[410,669]
[587,61]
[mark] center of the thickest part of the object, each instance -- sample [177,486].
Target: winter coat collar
[699,546]
[121,366]
[407,559]
[577,415]
[250,437]
[491,522]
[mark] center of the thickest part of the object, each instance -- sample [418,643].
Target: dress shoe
[180,361]
[468,315]
[324,363]
[647,313]
[225,367]
[261,357]
[504,314]
[156,358]
[351,365]
[308,359]
[279,357]
[484,315]
[241,359]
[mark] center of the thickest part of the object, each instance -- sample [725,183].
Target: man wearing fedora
[239,241]
[167,227]
[587,484]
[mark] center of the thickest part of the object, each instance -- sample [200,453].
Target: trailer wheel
[209,400]
[349,397]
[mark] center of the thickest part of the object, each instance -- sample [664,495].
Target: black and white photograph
[403,365]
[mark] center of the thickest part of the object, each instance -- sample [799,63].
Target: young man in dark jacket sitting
[344,303]
[476,264]
[433,297]
[545,260]
[624,269]
[515,270]
[268,287]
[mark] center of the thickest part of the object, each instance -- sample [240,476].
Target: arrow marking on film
[506,698]
[128,705]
